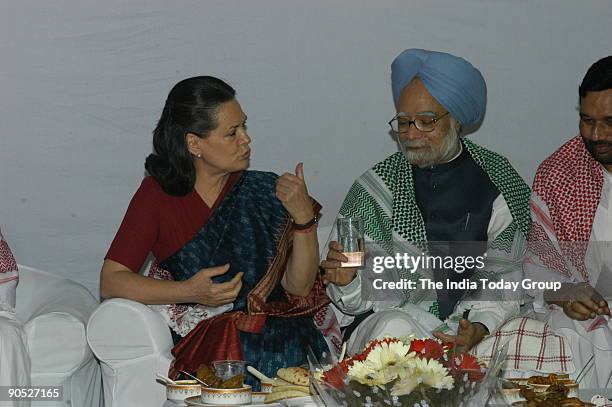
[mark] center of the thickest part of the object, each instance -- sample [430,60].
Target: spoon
[258,374]
[195,378]
[343,352]
[166,379]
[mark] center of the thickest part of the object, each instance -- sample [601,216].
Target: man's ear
[458,127]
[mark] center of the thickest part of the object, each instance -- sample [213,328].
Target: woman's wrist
[305,224]
[308,230]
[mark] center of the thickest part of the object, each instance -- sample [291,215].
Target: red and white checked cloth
[532,347]
[572,172]
[9,275]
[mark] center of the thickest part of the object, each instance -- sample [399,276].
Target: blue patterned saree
[268,327]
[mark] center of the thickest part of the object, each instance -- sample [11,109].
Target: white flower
[387,354]
[364,374]
[422,371]
[409,380]
[360,371]
[318,374]
[382,364]
[433,374]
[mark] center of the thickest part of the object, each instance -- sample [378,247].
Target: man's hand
[292,192]
[335,274]
[469,335]
[584,303]
[204,291]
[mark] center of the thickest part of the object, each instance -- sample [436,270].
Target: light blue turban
[451,80]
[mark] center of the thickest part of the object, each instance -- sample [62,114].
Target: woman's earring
[198,155]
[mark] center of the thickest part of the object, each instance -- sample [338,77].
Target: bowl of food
[258,397]
[223,390]
[518,380]
[541,384]
[266,387]
[183,389]
[231,397]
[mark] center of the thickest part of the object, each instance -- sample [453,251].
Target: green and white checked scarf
[384,197]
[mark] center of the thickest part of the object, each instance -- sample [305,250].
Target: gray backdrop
[83,83]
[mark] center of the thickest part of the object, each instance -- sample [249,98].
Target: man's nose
[601,132]
[412,133]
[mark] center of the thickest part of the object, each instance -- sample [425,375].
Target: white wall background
[82,84]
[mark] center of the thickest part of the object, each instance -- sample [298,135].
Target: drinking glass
[351,237]
[226,369]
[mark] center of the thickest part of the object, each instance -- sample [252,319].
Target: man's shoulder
[385,168]
[486,155]
[496,165]
[557,162]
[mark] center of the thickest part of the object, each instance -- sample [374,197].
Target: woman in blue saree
[242,243]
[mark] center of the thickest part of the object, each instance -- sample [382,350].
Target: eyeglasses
[426,123]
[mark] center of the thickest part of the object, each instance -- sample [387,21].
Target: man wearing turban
[441,187]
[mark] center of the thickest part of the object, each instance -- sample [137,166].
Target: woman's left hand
[292,192]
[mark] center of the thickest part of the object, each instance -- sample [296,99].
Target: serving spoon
[166,379]
[195,378]
[258,374]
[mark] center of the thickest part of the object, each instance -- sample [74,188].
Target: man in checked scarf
[570,238]
[15,363]
[441,187]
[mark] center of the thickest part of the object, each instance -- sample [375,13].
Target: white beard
[444,153]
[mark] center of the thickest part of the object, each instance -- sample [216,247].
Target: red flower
[336,376]
[427,348]
[463,363]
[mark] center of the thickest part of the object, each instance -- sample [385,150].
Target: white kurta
[389,319]
[14,357]
[591,351]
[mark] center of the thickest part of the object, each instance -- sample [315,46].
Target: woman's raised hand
[203,290]
[292,192]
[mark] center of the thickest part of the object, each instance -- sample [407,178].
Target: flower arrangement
[402,371]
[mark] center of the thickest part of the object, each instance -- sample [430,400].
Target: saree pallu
[268,327]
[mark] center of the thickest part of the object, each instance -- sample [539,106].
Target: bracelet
[307,230]
[307,225]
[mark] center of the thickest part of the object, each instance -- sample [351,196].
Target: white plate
[306,401]
[196,402]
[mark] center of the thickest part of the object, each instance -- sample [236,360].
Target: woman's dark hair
[191,107]
[598,77]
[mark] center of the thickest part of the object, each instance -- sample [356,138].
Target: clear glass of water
[351,237]
[226,369]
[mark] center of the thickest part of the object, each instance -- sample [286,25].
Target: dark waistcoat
[455,200]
